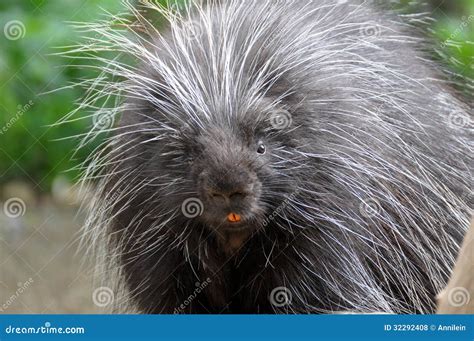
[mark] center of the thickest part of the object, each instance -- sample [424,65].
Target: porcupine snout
[228,184]
[229,189]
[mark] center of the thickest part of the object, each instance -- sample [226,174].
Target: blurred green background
[29,151]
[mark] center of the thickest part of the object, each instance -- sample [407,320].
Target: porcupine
[340,150]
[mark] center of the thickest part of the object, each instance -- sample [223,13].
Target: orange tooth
[233,217]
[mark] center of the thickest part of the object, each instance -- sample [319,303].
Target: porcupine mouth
[246,223]
[233,217]
[233,233]
[234,222]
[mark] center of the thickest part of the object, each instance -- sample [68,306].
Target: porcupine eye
[261,148]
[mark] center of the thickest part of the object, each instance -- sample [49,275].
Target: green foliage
[456,34]
[28,69]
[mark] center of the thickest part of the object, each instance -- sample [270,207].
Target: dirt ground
[41,267]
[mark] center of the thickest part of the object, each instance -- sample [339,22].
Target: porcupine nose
[229,189]
[230,203]
[227,197]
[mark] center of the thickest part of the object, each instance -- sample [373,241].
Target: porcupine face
[228,176]
[234,168]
